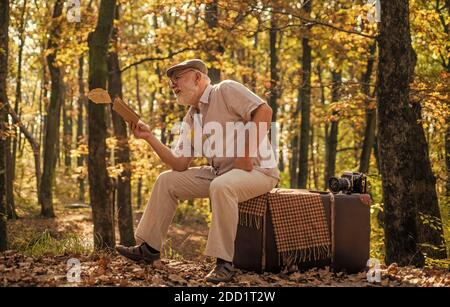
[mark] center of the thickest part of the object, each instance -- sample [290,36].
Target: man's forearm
[262,118]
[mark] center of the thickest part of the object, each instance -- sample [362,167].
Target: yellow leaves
[428,33]
[115,170]
[80,173]
[82,150]
[111,142]
[375,207]
[145,163]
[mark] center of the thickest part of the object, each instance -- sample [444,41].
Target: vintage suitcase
[349,230]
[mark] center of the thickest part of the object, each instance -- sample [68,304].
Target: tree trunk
[139,193]
[9,184]
[293,164]
[138,90]
[122,155]
[281,165]
[43,104]
[253,63]
[162,106]
[151,108]
[326,126]
[58,141]
[431,236]
[18,100]
[53,117]
[369,131]
[138,99]
[33,143]
[314,151]
[4,23]
[446,66]
[211,17]
[12,142]
[405,169]
[163,110]
[274,77]
[99,182]
[80,132]
[447,156]
[332,139]
[170,111]
[305,98]
[67,137]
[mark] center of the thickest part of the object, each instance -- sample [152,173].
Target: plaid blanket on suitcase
[300,227]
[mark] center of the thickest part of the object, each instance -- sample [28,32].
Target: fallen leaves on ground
[111,270]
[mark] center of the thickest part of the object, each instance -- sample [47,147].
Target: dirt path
[112,270]
[182,263]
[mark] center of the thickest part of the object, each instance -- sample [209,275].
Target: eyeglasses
[176,78]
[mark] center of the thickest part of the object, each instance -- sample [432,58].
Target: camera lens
[333,182]
[339,184]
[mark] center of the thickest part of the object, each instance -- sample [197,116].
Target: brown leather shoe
[222,272]
[138,253]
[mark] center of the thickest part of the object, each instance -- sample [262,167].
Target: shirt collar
[205,96]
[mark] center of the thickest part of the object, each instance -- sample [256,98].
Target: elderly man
[229,179]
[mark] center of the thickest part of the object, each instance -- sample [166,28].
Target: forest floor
[42,248]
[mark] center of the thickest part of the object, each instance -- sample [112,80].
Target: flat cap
[196,64]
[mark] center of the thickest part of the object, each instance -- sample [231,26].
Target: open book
[125,112]
[99,95]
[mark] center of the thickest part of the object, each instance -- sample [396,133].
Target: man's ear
[198,77]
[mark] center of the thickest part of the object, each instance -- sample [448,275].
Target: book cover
[128,114]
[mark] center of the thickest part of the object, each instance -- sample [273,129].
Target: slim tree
[125,215]
[138,99]
[99,182]
[162,106]
[12,142]
[274,76]
[332,139]
[4,23]
[67,129]
[80,122]
[326,125]
[82,100]
[212,20]
[53,116]
[369,130]
[305,98]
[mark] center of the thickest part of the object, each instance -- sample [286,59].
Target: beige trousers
[225,192]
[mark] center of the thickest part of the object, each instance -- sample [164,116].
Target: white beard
[187,96]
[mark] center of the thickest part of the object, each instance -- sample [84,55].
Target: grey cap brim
[196,64]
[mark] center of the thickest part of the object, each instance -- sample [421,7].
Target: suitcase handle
[288,191]
[279,191]
[292,191]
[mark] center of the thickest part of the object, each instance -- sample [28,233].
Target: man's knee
[219,186]
[166,178]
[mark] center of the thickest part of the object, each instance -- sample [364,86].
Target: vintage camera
[350,182]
